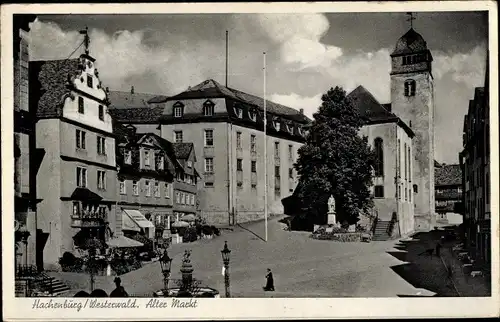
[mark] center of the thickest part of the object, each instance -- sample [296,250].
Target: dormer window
[239,112]
[289,127]
[276,123]
[252,114]
[208,108]
[410,86]
[178,109]
[127,156]
[190,164]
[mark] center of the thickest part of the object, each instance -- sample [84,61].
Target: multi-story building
[156,179]
[474,160]
[77,178]
[137,109]
[391,140]
[226,127]
[448,183]
[26,157]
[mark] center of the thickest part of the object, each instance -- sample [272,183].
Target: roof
[448,175]
[52,77]
[212,89]
[182,150]
[437,164]
[136,114]
[120,99]
[410,42]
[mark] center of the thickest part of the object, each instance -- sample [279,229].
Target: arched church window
[379,157]
[410,86]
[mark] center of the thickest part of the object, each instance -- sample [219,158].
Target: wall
[418,112]
[49,183]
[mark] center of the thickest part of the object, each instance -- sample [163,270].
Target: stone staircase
[381,232]
[52,285]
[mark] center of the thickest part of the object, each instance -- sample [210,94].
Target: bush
[190,235]
[340,237]
[70,263]
[215,230]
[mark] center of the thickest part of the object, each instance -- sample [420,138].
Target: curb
[450,277]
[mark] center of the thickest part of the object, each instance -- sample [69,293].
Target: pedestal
[331,219]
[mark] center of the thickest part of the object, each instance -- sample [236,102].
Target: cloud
[309,104]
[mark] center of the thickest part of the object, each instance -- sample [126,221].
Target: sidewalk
[466,285]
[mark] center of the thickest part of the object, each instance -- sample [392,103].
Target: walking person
[269,281]
[438,249]
[119,291]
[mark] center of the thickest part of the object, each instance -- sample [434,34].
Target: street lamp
[165,263]
[225,258]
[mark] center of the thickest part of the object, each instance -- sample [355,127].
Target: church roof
[212,89]
[372,110]
[410,42]
[448,175]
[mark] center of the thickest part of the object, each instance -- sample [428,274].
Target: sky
[306,54]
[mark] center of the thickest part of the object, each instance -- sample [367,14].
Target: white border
[21,309]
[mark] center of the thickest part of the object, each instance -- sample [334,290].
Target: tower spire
[86,39]
[410,19]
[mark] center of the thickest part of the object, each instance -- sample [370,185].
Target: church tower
[412,99]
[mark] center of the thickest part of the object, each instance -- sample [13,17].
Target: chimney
[301,111]
[132,90]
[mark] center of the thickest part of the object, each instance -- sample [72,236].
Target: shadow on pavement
[247,229]
[422,270]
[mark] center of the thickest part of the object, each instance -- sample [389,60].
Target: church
[401,134]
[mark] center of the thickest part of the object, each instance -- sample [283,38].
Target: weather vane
[86,39]
[410,18]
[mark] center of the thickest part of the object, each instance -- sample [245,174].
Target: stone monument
[332,220]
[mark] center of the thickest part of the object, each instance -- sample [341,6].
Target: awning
[85,194]
[138,218]
[123,242]
[128,223]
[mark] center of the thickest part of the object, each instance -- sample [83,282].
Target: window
[290,173]
[178,197]
[148,188]
[208,108]
[276,124]
[183,198]
[101,180]
[253,166]
[209,137]
[81,107]
[190,164]
[277,192]
[209,184]
[290,152]
[406,163]
[252,114]
[90,81]
[238,140]
[167,190]
[146,158]
[178,109]
[80,139]
[289,128]
[123,187]
[239,165]
[239,112]
[379,157]
[409,165]
[277,171]
[159,161]
[128,157]
[409,194]
[135,188]
[276,150]
[101,112]
[209,165]
[254,186]
[81,177]
[178,136]
[101,145]
[157,189]
[379,191]
[76,208]
[410,86]
[252,143]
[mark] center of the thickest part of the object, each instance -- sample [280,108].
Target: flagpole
[265,148]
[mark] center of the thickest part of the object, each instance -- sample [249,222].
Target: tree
[335,161]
